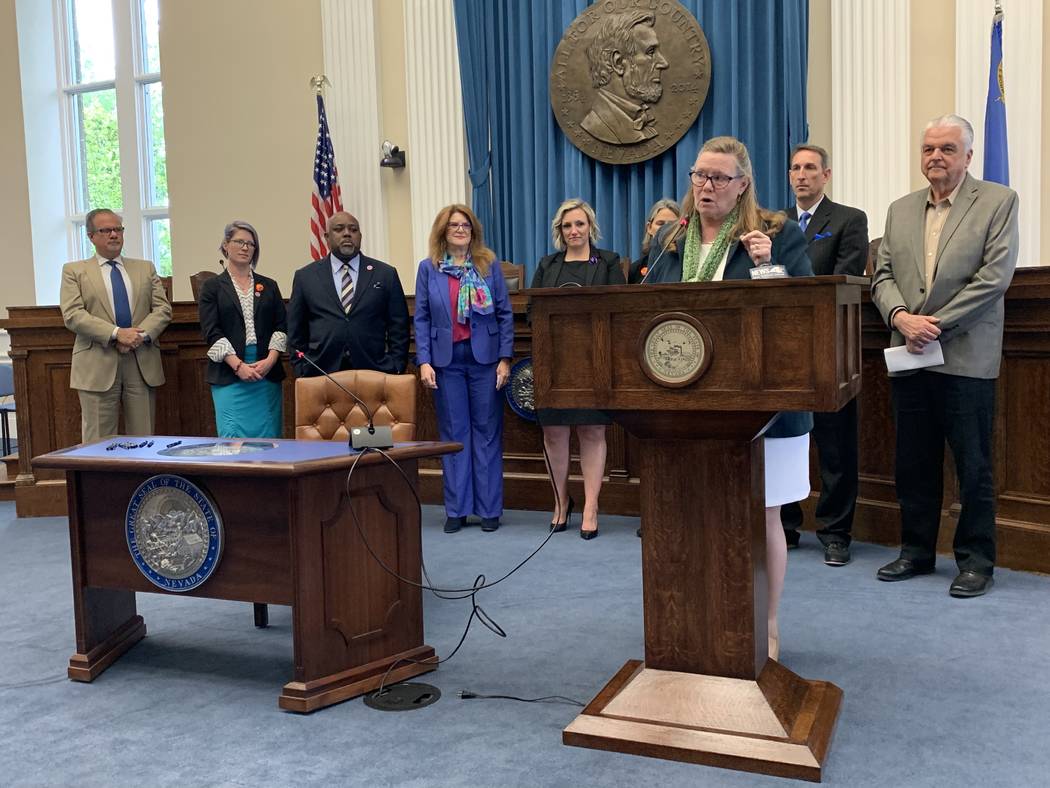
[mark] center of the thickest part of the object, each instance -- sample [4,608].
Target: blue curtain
[475,59]
[522,166]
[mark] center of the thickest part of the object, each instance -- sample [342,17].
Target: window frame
[130,83]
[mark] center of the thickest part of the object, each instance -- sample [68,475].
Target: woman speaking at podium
[578,262]
[725,234]
[243,322]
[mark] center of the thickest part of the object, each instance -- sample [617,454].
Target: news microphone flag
[996,156]
[326,199]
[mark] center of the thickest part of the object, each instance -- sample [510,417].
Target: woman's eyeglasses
[717,179]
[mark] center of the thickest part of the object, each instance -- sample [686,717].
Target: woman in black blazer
[663,212]
[578,262]
[243,322]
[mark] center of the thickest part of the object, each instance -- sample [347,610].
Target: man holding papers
[947,256]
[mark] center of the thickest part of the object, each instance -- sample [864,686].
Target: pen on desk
[172,444]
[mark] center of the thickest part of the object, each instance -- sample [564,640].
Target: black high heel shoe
[584,534]
[559,527]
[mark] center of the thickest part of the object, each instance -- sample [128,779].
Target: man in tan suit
[117,308]
[947,256]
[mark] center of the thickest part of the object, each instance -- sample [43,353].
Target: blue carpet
[938,691]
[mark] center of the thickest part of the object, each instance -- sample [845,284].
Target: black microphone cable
[467,695]
[480,582]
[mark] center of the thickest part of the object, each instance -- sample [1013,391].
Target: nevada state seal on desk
[174,532]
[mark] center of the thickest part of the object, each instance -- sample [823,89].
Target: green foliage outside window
[158,152]
[162,247]
[100,151]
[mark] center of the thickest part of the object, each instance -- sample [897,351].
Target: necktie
[121,305]
[803,220]
[346,294]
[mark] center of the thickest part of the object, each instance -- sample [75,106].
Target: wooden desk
[289,539]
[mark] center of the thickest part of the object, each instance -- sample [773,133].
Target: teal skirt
[248,409]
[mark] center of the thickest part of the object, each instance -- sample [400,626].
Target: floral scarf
[474,294]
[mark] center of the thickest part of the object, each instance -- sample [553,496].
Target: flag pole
[318,81]
[325,199]
[996,150]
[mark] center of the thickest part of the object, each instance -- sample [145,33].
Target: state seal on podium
[675,350]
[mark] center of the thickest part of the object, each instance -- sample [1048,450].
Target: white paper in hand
[898,359]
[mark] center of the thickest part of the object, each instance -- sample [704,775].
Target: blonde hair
[752,215]
[480,254]
[571,205]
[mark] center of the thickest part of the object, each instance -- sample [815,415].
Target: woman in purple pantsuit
[464,344]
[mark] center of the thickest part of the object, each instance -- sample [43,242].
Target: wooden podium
[289,538]
[696,372]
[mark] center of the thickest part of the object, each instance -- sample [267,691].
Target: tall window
[114,121]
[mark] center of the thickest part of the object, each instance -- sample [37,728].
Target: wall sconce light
[393,156]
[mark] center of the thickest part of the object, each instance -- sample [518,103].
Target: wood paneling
[1022,445]
[50,419]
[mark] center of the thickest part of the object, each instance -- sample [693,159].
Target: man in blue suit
[347,311]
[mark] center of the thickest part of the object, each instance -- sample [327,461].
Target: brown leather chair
[197,281]
[514,274]
[873,256]
[323,412]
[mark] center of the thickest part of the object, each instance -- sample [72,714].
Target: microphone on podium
[369,437]
[667,245]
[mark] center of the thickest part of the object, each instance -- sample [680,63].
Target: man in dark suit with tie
[347,311]
[838,244]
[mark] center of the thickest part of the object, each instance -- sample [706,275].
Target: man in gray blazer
[117,308]
[947,256]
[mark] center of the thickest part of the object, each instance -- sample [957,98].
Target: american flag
[326,199]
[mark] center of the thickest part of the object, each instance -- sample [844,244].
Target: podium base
[780,725]
[305,697]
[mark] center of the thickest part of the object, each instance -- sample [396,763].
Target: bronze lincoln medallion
[629,77]
[675,350]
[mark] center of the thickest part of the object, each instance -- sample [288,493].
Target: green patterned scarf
[692,270]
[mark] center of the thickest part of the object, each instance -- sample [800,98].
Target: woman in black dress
[578,262]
